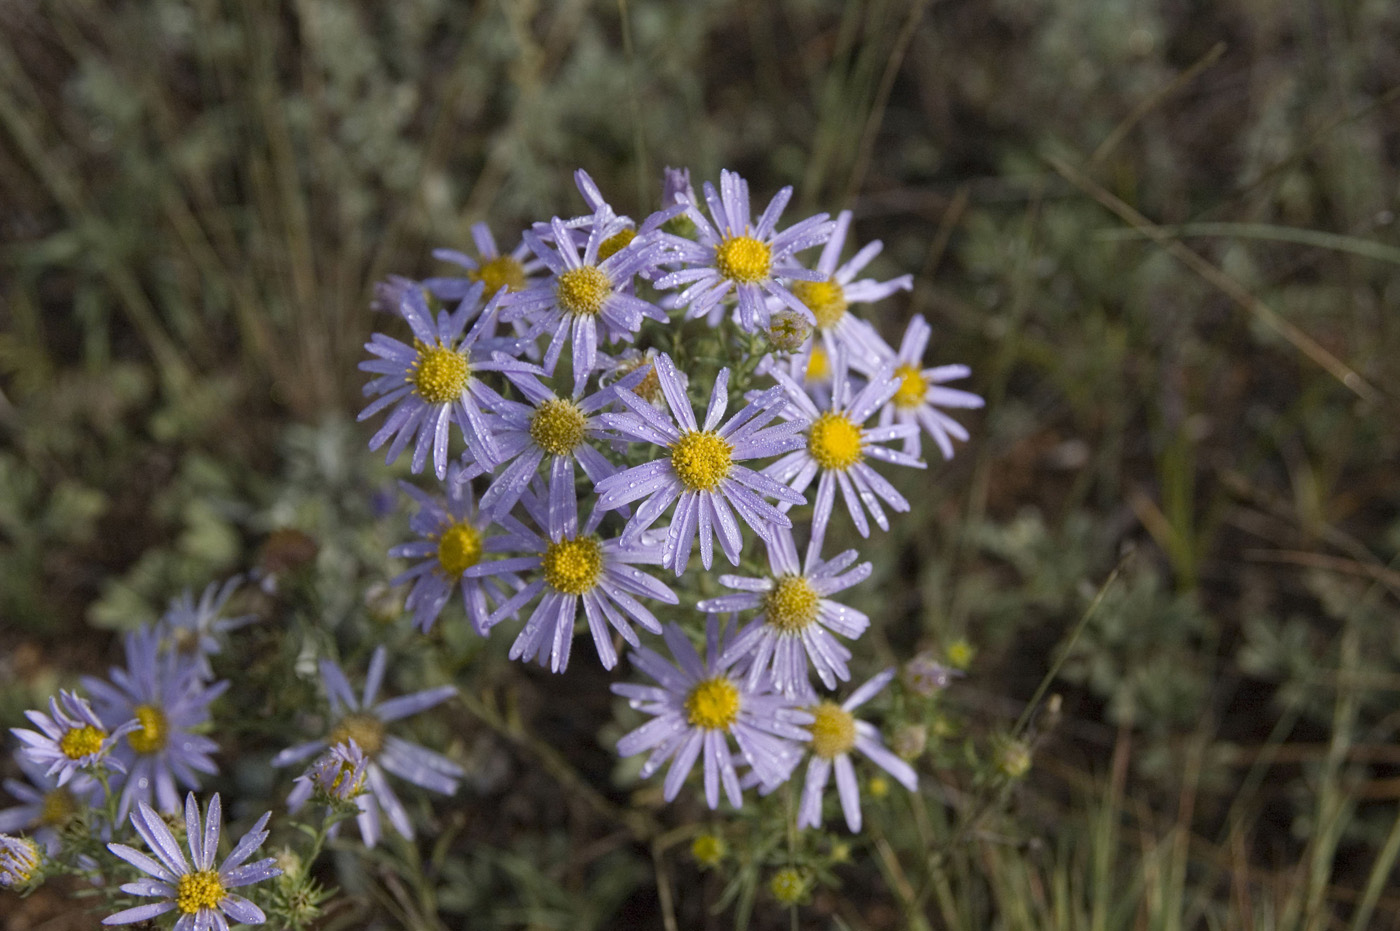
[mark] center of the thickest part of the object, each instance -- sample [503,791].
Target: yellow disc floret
[557,426]
[791,605]
[708,849]
[57,808]
[702,459]
[200,889]
[712,704]
[82,741]
[503,271]
[365,729]
[818,365]
[153,734]
[439,374]
[825,299]
[912,387]
[459,548]
[834,441]
[573,566]
[615,243]
[743,259]
[833,731]
[581,291]
[789,886]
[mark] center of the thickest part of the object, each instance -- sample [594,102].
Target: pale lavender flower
[573,565]
[696,707]
[436,382]
[19,858]
[733,255]
[560,430]
[70,738]
[196,628]
[700,474]
[45,807]
[170,701]
[675,187]
[453,536]
[835,733]
[364,720]
[339,773]
[586,293]
[193,887]
[492,268]
[796,618]
[921,394]
[836,447]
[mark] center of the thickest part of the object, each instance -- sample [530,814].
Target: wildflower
[193,887]
[548,428]
[19,858]
[615,370]
[796,618]
[364,720]
[926,676]
[338,774]
[587,292]
[169,701]
[435,382]
[73,737]
[701,474]
[920,397]
[829,297]
[572,565]
[732,255]
[676,190]
[835,733]
[452,538]
[961,653]
[1011,757]
[45,808]
[696,707]
[195,628]
[789,886]
[708,849]
[493,269]
[837,444]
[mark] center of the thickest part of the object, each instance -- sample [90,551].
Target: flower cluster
[626,393]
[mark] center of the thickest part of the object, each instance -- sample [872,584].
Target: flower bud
[788,331]
[19,858]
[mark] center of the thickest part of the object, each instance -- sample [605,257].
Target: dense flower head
[920,396]
[71,737]
[193,887]
[19,859]
[45,808]
[195,629]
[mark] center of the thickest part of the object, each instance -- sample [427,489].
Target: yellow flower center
[834,441]
[557,427]
[788,886]
[713,704]
[200,889]
[574,566]
[743,259]
[912,387]
[582,291]
[365,729]
[82,741]
[833,731]
[151,736]
[501,272]
[58,807]
[791,605]
[615,243]
[459,548]
[825,299]
[701,459]
[708,849]
[818,365]
[439,374]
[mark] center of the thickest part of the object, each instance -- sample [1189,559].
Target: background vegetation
[1162,234]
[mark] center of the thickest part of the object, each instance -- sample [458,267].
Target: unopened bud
[788,331]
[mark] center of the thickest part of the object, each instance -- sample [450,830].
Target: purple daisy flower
[836,447]
[193,887]
[195,629]
[452,538]
[169,700]
[70,738]
[921,394]
[363,720]
[701,474]
[19,858]
[835,733]
[339,773]
[733,255]
[696,707]
[588,291]
[553,428]
[796,618]
[572,564]
[45,807]
[492,268]
[436,382]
